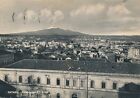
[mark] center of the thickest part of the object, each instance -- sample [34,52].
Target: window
[103,85]
[114,85]
[82,83]
[91,84]
[67,82]
[48,81]
[30,79]
[38,80]
[20,79]
[74,96]
[58,95]
[74,82]
[6,78]
[57,81]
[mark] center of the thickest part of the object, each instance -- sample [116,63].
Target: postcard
[69,49]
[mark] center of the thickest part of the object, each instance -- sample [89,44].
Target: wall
[66,91]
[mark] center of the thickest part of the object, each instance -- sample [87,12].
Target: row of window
[67,82]
[58,95]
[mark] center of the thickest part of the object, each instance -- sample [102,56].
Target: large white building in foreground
[72,79]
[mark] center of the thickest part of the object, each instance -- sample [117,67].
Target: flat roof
[100,66]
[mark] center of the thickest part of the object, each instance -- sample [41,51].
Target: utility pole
[86,69]
[87,83]
[16,83]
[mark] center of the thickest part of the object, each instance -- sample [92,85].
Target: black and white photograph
[69,48]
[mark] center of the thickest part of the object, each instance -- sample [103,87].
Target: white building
[134,53]
[71,79]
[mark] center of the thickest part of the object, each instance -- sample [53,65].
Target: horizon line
[84,33]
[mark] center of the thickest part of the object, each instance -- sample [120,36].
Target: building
[134,53]
[35,78]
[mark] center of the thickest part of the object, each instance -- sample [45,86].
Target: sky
[107,17]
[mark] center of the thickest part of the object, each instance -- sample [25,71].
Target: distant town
[68,47]
[39,65]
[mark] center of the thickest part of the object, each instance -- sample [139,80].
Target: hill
[52,31]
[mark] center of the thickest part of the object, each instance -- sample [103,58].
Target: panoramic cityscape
[69,49]
[47,65]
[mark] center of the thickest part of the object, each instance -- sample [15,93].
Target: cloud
[118,11]
[20,16]
[44,15]
[102,18]
[58,15]
[96,10]
[50,16]
[82,15]
[31,15]
[93,10]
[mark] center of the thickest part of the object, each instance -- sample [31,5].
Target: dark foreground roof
[4,88]
[3,52]
[101,66]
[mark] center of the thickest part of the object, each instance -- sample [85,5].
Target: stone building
[34,78]
[134,53]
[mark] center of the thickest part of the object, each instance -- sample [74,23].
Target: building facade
[134,53]
[36,83]
[63,84]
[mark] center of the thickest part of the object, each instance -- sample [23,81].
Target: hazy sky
[87,16]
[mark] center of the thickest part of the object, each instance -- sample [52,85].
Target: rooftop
[2,52]
[96,65]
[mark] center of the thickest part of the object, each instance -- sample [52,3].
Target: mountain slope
[52,31]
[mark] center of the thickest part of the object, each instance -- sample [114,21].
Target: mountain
[51,31]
